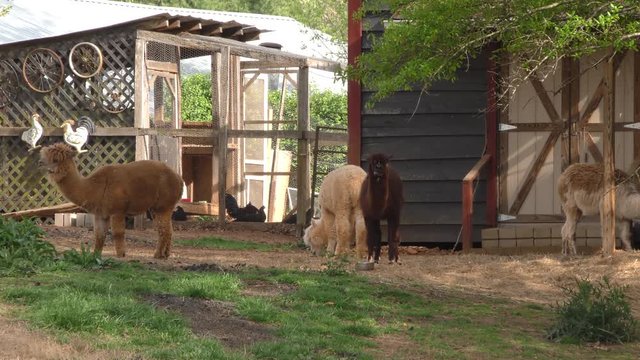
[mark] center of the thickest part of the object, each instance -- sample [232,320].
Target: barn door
[554,122]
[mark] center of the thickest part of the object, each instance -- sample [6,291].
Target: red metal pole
[354,103]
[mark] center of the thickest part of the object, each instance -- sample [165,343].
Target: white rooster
[78,137]
[34,133]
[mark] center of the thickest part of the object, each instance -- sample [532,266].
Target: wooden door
[554,122]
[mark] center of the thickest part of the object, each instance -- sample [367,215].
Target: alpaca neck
[74,186]
[378,193]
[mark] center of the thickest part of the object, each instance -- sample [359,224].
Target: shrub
[594,312]
[22,248]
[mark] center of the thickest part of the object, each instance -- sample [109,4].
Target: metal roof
[36,19]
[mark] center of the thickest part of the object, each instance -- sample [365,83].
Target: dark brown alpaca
[381,199]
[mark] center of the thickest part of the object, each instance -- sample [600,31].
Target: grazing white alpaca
[341,216]
[581,192]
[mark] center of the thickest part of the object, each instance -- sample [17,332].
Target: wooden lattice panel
[78,96]
[24,186]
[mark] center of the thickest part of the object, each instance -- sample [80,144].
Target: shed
[137,55]
[455,129]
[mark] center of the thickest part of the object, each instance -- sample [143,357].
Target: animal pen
[127,78]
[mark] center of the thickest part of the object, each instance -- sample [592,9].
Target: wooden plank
[503,144]
[383,125]
[570,108]
[491,120]
[223,94]
[439,191]
[467,200]
[425,147]
[607,213]
[304,162]
[530,179]
[636,103]
[141,118]
[44,211]
[439,214]
[162,66]
[412,103]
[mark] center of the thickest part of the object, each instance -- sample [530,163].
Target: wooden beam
[636,103]
[608,210]
[503,143]
[524,190]
[491,132]
[302,177]
[467,201]
[45,211]
[162,66]
[570,97]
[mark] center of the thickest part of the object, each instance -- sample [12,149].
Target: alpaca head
[57,160]
[314,237]
[378,166]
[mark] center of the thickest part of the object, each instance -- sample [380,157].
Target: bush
[196,98]
[22,248]
[594,312]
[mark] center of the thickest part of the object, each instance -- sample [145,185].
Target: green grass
[332,314]
[223,244]
[324,315]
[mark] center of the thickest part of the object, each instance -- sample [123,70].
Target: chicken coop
[127,79]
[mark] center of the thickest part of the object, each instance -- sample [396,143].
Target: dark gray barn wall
[434,139]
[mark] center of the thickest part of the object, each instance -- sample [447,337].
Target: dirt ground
[533,278]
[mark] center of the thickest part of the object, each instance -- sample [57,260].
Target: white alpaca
[341,216]
[581,192]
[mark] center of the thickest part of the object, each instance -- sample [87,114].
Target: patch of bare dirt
[217,319]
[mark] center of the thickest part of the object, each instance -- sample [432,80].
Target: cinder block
[525,242]
[556,241]
[524,232]
[581,241]
[508,243]
[556,232]
[80,219]
[490,243]
[594,231]
[88,221]
[542,241]
[58,219]
[73,219]
[491,233]
[507,233]
[62,219]
[594,242]
[541,232]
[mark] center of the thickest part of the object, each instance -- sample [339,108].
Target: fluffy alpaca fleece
[341,217]
[381,198]
[115,191]
[581,192]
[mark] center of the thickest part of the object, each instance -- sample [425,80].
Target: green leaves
[437,37]
[22,248]
[196,98]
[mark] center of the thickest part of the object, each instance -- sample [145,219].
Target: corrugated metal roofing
[34,19]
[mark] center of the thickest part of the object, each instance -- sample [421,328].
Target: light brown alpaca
[115,191]
[581,192]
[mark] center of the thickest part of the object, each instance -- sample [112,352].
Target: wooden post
[220,112]
[141,119]
[570,109]
[303,150]
[491,131]
[607,213]
[636,103]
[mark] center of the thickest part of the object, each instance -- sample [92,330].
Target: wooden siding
[434,139]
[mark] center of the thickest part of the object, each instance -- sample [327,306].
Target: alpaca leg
[361,235]
[373,239]
[343,233]
[117,232]
[625,234]
[100,226]
[163,226]
[393,238]
[329,223]
[568,231]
